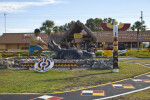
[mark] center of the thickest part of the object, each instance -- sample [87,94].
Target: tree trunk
[138,39]
[49,37]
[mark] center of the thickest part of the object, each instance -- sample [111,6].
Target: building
[100,39]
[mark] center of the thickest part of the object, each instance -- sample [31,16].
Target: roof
[77,28]
[17,38]
[124,36]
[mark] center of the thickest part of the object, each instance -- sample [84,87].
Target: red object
[104,26]
[125,27]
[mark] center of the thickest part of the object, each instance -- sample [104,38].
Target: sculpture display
[70,53]
[115,28]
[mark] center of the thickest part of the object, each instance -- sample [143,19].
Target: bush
[98,53]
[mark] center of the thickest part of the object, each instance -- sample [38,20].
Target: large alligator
[69,53]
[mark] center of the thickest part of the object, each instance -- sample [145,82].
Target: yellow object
[103,43]
[19,55]
[107,52]
[109,25]
[129,87]
[98,94]
[34,40]
[115,48]
[147,81]
[68,64]
[0,55]
[115,36]
[115,43]
[116,22]
[120,26]
[78,35]
[75,64]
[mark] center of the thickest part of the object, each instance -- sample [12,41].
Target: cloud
[18,6]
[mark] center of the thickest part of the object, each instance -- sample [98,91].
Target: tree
[56,29]
[98,22]
[47,26]
[137,25]
[61,29]
[66,27]
[109,20]
[71,23]
[94,24]
[133,28]
[90,23]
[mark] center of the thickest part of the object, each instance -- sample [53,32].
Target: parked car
[121,46]
[110,47]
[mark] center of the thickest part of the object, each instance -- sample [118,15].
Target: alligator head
[54,47]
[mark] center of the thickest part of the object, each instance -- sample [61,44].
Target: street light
[5,21]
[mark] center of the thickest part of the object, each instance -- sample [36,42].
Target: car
[110,47]
[121,46]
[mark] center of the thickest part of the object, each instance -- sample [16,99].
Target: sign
[107,52]
[103,43]
[78,35]
[44,64]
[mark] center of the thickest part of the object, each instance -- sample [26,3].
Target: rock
[80,62]
[86,66]
[95,65]
[1,61]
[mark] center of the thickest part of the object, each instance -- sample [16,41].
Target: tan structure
[129,38]
[15,41]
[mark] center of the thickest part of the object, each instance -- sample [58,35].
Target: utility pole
[141,27]
[5,21]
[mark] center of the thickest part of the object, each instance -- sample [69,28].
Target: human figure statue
[35,40]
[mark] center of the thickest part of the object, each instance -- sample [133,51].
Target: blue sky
[26,15]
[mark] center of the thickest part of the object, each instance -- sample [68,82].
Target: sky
[23,16]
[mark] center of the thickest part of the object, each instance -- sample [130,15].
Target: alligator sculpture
[69,53]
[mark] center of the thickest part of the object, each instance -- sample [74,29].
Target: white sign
[44,64]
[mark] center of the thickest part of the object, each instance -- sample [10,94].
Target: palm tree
[47,26]
[56,29]
[137,25]
[133,28]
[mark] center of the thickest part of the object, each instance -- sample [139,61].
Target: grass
[139,54]
[136,60]
[142,95]
[24,81]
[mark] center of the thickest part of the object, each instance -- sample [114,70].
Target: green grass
[136,60]
[142,95]
[139,54]
[24,81]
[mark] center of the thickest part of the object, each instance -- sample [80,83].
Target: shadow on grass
[76,77]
